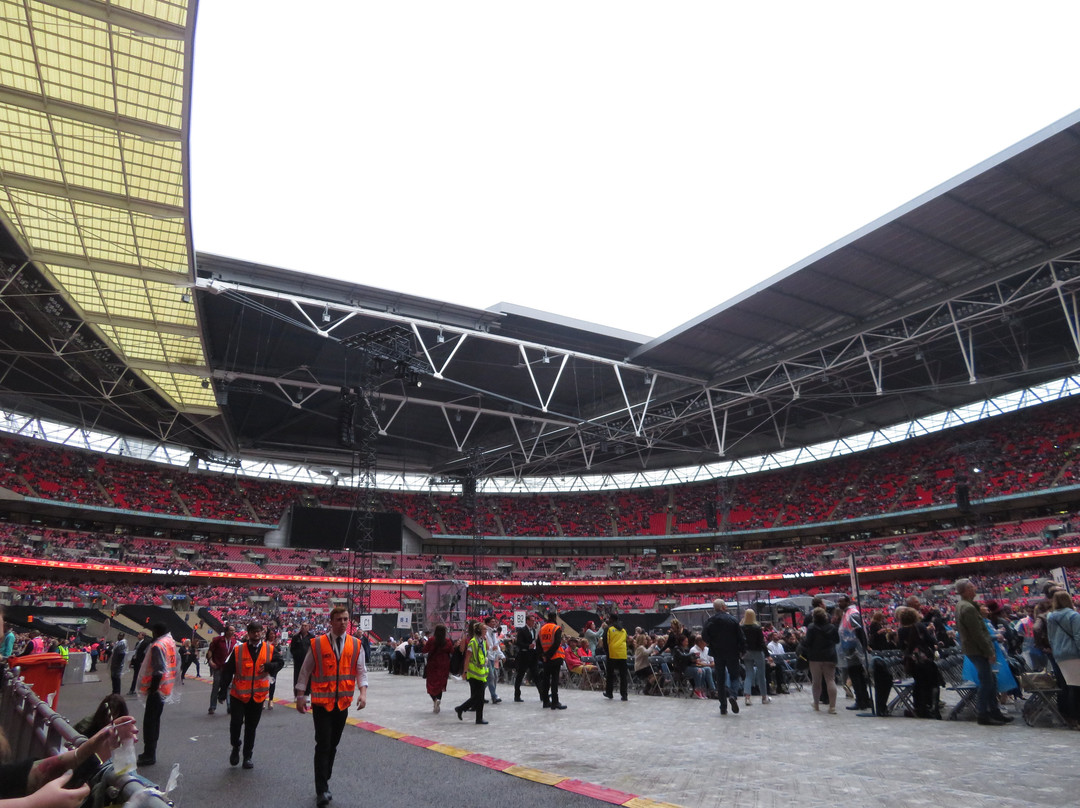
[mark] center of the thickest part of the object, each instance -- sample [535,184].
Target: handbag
[801,662]
[457,661]
[1038,681]
[916,657]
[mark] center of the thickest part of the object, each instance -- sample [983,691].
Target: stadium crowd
[1021,452]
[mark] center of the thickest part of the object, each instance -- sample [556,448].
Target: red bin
[43,673]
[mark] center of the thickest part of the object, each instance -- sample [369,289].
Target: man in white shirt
[494,654]
[336,661]
[704,679]
[402,655]
[775,667]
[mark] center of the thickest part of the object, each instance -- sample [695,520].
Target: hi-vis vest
[616,642]
[333,679]
[146,674]
[246,683]
[547,637]
[478,668]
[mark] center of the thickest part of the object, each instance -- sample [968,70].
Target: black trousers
[922,692]
[526,662]
[246,715]
[882,685]
[116,686]
[297,665]
[475,701]
[857,674]
[329,725]
[549,694]
[151,728]
[616,666]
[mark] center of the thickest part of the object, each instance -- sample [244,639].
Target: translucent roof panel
[187,388]
[174,12]
[113,297]
[92,121]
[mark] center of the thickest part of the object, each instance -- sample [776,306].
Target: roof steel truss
[657,410]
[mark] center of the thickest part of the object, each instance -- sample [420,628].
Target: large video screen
[341,529]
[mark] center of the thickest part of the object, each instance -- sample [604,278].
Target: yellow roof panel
[46,222]
[92,168]
[186,389]
[173,12]
[112,296]
[141,344]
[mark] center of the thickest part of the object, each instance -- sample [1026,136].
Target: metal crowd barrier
[34,730]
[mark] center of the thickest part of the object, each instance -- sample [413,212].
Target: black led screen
[341,529]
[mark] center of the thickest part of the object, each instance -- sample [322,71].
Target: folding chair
[793,677]
[663,680]
[594,679]
[967,692]
[903,686]
[1041,703]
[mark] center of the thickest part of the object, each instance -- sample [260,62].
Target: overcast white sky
[628,163]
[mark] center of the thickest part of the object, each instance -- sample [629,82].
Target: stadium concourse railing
[35,730]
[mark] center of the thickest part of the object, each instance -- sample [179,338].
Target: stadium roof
[112,322]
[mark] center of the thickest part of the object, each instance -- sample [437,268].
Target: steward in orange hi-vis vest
[247,681]
[157,675]
[547,637]
[333,680]
[167,645]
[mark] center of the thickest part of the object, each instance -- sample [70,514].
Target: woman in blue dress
[1006,682]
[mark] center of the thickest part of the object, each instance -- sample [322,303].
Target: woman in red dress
[437,667]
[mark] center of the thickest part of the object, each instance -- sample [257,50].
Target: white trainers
[438,704]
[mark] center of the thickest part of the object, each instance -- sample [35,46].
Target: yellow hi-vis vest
[478,668]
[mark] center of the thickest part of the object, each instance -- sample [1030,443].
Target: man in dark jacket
[219,650]
[116,662]
[137,657]
[245,682]
[298,648]
[727,644]
[526,660]
[853,642]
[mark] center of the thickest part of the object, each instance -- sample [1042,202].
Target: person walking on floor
[218,651]
[157,676]
[615,641]
[494,655]
[819,649]
[476,672]
[727,644]
[755,657]
[116,663]
[527,657]
[335,669]
[298,650]
[437,649]
[246,677]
